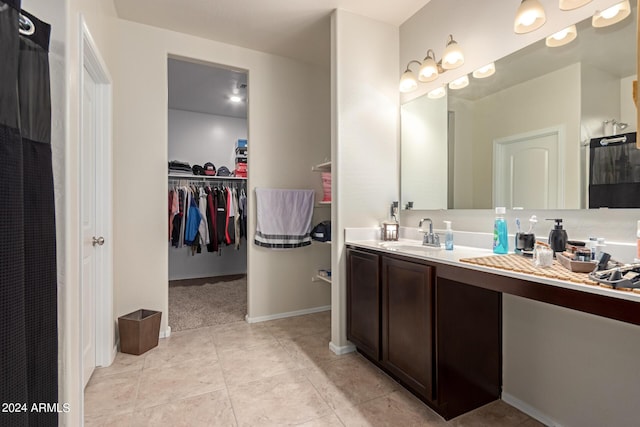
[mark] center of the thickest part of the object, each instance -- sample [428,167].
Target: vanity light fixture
[430,67]
[459,83]
[437,93]
[486,71]
[452,56]
[529,17]
[612,15]
[562,37]
[408,80]
[572,4]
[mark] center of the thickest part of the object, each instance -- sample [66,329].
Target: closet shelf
[322,167]
[323,204]
[206,177]
[324,279]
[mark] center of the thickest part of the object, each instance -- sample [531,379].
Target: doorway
[97,335]
[208,167]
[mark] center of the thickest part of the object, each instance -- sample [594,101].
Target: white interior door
[527,170]
[88,220]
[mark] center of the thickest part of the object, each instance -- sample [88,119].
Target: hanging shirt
[193,224]
[236,222]
[204,226]
[221,215]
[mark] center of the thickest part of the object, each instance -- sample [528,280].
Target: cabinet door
[363,301]
[407,323]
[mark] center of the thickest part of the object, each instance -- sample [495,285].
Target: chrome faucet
[429,239]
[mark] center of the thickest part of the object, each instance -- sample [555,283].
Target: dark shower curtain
[28,285]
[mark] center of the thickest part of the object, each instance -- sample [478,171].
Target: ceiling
[206,89]
[297,29]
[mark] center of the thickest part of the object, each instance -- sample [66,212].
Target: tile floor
[267,374]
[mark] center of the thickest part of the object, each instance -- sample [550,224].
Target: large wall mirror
[520,138]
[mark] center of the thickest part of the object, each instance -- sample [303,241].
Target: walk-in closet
[207,198]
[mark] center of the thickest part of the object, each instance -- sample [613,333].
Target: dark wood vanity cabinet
[440,338]
[363,301]
[407,323]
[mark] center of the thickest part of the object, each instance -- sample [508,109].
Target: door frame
[90,58]
[499,145]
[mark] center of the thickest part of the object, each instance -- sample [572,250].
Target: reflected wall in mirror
[520,137]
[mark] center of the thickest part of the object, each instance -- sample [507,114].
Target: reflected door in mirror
[526,170]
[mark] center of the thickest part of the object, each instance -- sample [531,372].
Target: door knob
[98,241]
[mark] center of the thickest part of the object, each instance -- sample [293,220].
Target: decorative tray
[576,266]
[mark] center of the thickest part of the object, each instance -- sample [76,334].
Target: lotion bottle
[448,236]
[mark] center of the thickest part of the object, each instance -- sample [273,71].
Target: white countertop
[414,249]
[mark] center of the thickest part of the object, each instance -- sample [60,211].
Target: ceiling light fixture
[430,67]
[486,71]
[437,93]
[235,98]
[459,83]
[612,15]
[563,37]
[529,17]
[572,4]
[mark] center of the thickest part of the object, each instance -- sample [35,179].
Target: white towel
[284,217]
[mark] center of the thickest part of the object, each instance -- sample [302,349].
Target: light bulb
[408,82]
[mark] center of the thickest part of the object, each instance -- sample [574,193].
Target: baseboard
[287,314]
[166,333]
[529,410]
[349,348]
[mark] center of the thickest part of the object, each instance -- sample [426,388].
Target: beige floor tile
[286,399]
[350,381]
[395,409]
[111,394]
[182,347]
[292,327]
[241,335]
[532,423]
[327,421]
[161,385]
[122,363]
[123,420]
[310,350]
[210,409]
[267,360]
[495,414]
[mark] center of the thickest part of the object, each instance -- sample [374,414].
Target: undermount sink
[409,246]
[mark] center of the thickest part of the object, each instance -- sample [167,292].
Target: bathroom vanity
[435,323]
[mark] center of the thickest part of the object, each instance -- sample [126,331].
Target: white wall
[628,110]
[288,130]
[198,138]
[557,345]
[365,112]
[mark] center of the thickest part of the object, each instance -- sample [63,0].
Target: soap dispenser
[557,237]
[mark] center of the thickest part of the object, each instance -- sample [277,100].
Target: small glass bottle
[448,236]
[500,234]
